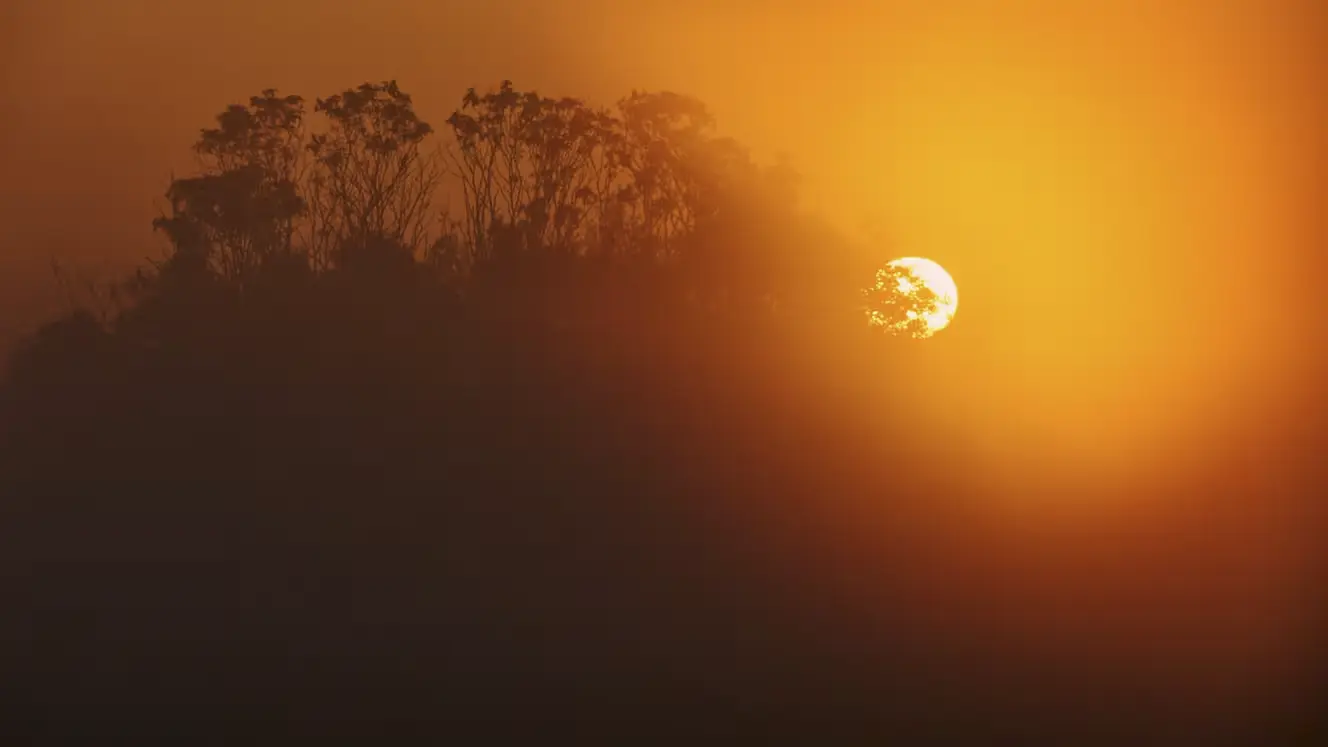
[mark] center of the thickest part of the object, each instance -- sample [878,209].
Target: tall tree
[373,180]
[562,140]
[241,210]
[493,165]
[665,148]
[526,167]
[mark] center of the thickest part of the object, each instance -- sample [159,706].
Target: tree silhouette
[523,161]
[638,180]
[373,182]
[344,459]
[240,212]
[899,302]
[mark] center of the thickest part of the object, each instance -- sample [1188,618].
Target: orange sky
[1102,179]
[1125,192]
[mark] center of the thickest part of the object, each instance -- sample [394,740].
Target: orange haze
[1123,192]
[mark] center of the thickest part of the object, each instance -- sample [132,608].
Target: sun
[911,296]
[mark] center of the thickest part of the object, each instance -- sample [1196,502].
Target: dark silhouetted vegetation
[507,423]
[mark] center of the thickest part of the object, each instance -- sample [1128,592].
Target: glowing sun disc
[930,276]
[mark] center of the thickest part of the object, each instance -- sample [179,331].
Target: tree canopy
[532,408]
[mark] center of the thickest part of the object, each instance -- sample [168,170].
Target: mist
[1128,195]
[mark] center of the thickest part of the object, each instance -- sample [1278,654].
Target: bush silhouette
[346,461]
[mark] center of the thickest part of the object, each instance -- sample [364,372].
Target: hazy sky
[1123,190]
[1099,176]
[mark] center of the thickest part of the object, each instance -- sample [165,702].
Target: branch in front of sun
[899,303]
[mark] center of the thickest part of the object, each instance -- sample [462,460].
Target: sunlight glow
[925,291]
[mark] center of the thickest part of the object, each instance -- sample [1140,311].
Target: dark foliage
[339,467]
